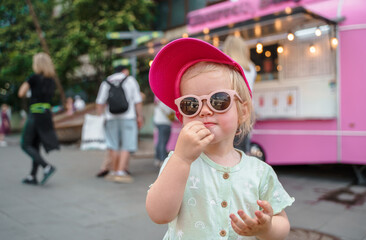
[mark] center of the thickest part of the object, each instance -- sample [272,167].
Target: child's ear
[243,112]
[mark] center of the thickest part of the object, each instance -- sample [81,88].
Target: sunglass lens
[220,101]
[189,105]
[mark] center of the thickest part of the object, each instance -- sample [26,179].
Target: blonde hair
[237,83]
[42,64]
[238,50]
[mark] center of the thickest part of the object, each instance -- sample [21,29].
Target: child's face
[222,125]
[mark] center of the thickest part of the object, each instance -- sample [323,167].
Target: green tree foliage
[72,28]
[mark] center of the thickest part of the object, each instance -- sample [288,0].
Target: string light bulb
[280,49]
[216,41]
[278,24]
[318,32]
[290,36]
[259,47]
[312,49]
[288,10]
[257,30]
[334,42]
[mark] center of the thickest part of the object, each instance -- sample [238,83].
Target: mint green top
[213,192]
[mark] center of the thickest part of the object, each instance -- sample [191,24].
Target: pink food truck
[310,91]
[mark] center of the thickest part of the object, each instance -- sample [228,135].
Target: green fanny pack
[39,107]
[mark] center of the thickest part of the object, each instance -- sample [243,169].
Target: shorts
[121,134]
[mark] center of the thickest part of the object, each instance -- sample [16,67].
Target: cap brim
[173,60]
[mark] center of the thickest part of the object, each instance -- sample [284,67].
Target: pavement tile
[157,232]
[330,207]
[62,231]
[7,222]
[20,233]
[311,219]
[347,225]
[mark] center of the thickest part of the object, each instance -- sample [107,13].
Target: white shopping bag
[93,135]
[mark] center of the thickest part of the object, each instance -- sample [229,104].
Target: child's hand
[192,140]
[257,226]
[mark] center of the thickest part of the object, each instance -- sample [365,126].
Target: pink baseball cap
[175,58]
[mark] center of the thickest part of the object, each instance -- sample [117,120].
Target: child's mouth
[209,124]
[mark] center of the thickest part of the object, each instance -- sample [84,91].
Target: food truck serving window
[297,82]
[266,62]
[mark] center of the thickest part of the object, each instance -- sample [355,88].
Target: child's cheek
[186,120]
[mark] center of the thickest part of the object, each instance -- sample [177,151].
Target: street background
[74,204]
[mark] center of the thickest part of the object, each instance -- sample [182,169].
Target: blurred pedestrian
[163,118]
[5,125]
[69,106]
[121,128]
[239,51]
[106,166]
[79,103]
[39,129]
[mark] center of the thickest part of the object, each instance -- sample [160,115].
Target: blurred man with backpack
[122,120]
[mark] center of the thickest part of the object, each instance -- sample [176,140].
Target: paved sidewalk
[74,204]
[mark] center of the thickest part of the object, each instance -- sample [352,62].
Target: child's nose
[206,110]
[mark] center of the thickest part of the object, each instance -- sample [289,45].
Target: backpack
[117,100]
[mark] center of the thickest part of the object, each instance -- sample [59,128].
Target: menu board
[280,103]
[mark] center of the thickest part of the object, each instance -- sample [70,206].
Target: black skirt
[39,129]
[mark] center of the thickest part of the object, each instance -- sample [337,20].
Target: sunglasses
[218,101]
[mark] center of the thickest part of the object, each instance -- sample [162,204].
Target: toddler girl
[205,181]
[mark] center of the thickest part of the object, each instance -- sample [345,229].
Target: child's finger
[203,132]
[267,208]
[196,128]
[238,230]
[207,139]
[261,217]
[193,124]
[237,222]
[247,220]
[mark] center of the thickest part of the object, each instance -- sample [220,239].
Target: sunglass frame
[232,93]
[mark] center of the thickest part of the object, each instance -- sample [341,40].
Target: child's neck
[224,156]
